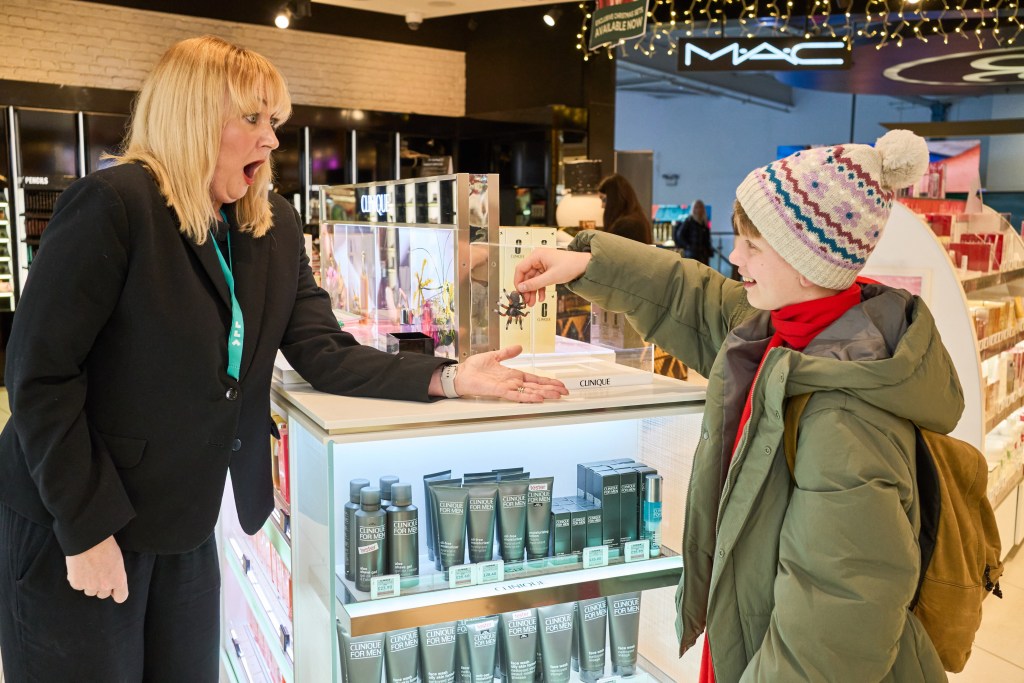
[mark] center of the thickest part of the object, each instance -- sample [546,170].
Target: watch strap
[448,373]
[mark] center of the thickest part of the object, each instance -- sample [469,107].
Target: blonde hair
[179,117]
[741,223]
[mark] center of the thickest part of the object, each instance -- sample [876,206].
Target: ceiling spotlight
[552,15]
[290,11]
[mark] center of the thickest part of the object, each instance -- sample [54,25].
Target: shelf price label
[634,551]
[462,575]
[595,556]
[491,572]
[389,586]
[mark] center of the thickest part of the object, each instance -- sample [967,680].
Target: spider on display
[514,310]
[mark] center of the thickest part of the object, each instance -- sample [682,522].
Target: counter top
[345,415]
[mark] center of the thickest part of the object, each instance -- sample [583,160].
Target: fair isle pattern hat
[824,209]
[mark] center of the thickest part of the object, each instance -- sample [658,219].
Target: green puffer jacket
[836,552]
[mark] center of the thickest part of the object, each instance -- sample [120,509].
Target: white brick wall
[102,46]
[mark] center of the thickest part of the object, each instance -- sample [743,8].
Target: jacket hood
[887,352]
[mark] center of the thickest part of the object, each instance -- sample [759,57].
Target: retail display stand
[332,440]
[911,255]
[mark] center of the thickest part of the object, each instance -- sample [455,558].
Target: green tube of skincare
[556,632]
[362,658]
[450,506]
[437,653]
[519,646]
[538,516]
[427,478]
[483,500]
[432,515]
[512,519]
[593,616]
[401,656]
[624,629]
[482,645]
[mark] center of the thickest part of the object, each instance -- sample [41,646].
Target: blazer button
[231,394]
[236,445]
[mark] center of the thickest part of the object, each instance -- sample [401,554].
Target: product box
[595,524]
[581,474]
[642,472]
[561,543]
[578,528]
[532,328]
[629,495]
[606,494]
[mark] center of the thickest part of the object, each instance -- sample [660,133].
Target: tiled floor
[998,655]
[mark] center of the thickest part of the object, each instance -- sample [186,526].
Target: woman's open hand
[484,375]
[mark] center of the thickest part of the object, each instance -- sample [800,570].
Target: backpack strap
[794,410]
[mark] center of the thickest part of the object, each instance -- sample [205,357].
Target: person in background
[802,577]
[693,236]
[139,371]
[623,214]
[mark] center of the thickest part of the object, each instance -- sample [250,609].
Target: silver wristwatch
[448,373]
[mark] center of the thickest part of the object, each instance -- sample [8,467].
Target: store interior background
[497,90]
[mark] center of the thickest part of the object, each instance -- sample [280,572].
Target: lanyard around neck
[236,333]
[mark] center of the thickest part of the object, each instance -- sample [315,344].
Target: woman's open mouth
[250,171]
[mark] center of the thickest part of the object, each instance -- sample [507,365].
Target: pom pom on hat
[904,158]
[824,209]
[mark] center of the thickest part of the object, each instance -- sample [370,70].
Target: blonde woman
[139,371]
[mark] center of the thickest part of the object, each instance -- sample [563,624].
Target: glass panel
[48,145]
[104,134]
[288,162]
[544,512]
[375,156]
[329,152]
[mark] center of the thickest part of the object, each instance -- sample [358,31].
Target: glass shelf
[546,582]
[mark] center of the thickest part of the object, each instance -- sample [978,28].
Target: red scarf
[795,327]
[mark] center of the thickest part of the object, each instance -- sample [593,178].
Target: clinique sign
[758,54]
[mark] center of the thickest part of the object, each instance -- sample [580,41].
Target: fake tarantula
[515,309]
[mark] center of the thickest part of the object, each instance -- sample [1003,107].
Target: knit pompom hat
[824,209]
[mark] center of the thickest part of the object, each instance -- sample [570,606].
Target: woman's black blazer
[124,420]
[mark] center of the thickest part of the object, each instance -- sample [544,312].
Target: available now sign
[615,20]
[762,54]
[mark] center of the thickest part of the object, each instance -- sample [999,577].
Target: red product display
[979,255]
[941,223]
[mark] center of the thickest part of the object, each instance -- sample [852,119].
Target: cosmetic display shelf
[1004,409]
[980,282]
[374,616]
[995,344]
[243,665]
[335,440]
[1010,487]
[260,600]
[282,543]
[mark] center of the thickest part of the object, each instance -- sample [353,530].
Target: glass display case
[401,256]
[544,450]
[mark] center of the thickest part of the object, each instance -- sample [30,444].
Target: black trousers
[167,630]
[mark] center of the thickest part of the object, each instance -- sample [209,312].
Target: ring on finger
[521,389]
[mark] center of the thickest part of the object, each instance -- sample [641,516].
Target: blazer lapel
[251,261]
[208,259]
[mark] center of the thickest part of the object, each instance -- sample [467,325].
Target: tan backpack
[959,540]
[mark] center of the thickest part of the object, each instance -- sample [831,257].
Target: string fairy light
[879,22]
